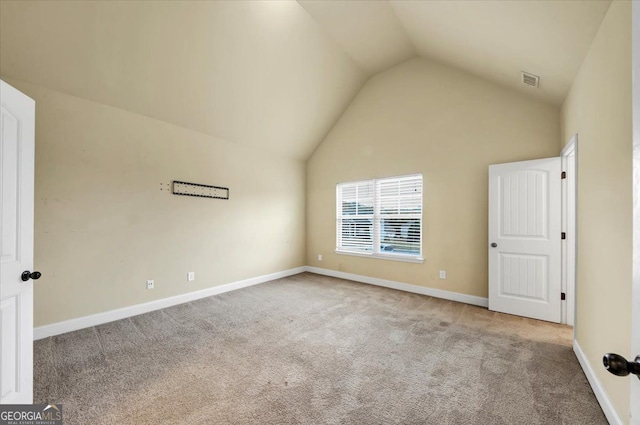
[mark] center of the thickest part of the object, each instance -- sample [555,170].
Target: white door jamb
[569,245]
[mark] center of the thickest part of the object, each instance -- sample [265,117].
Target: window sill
[402,258]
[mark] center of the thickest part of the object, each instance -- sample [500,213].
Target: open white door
[17,146]
[525,238]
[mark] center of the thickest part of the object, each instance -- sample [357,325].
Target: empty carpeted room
[320,212]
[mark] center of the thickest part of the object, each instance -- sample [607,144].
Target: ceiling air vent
[530,79]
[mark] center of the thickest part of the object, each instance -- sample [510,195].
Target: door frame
[635,286]
[569,157]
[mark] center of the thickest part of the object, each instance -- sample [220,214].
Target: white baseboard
[122,313]
[604,400]
[423,290]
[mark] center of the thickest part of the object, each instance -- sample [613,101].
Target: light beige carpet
[310,349]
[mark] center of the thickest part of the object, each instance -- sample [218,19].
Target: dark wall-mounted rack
[200,190]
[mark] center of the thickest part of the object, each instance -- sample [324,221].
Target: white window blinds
[355,204]
[381,217]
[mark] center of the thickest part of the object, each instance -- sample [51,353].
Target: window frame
[376,218]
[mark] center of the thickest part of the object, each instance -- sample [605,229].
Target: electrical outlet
[150,284]
[319,257]
[191,276]
[443,274]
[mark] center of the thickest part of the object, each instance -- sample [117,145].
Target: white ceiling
[492,39]
[367,30]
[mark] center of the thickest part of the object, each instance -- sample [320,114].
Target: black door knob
[26,275]
[619,366]
[494,245]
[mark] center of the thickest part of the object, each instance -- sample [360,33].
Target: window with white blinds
[380,217]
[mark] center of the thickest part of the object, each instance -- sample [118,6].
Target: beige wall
[421,117]
[103,227]
[598,108]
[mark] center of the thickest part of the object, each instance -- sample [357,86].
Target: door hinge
[563,296]
[563,235]
[563,175]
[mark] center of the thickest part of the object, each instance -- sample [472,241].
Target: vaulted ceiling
[278,74]
[495,40]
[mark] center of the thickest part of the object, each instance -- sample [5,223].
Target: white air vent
[530,79]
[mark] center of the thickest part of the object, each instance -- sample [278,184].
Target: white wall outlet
[319,257]
[443,274]
[150,284]
[191,276]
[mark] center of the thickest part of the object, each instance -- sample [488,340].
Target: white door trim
[635,287]
[569,157]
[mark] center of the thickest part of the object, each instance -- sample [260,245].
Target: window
[380,218]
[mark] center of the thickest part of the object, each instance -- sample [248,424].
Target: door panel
[10,146]
[10,327]
[525,225]
[17,113]
[523,198]
[523,276]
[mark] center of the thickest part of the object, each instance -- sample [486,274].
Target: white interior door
[525,238]
[17,119]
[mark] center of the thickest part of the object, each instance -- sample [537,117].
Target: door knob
[619,366]
[494,245]
[26,275]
